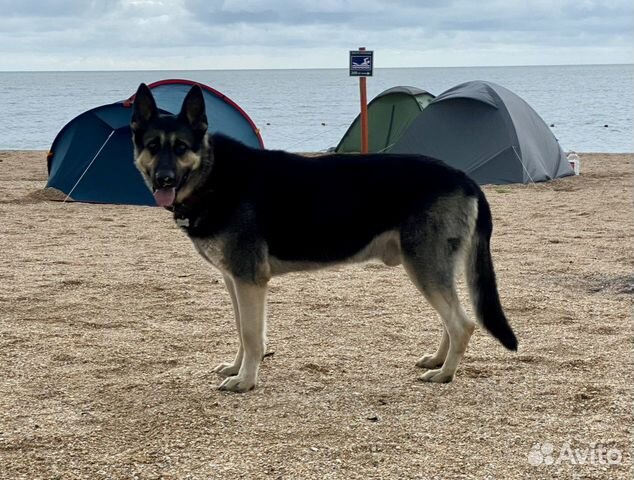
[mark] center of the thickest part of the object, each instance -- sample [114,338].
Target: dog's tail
[481,280]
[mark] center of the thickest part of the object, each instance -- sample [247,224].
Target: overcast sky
[217,34]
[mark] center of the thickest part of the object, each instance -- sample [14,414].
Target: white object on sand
[575,162]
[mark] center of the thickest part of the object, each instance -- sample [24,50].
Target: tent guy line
[88,167]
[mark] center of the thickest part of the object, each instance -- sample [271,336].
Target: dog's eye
[153,146]
[180,148]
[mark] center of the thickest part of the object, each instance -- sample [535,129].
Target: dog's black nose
[165,179]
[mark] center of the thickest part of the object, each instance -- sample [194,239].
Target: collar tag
[182,222]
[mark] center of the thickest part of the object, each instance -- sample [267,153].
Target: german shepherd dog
[254,214]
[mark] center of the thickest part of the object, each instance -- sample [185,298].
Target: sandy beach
[110,324]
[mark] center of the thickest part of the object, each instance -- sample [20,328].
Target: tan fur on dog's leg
[232,368]
[459,329]
[437,358]
[252,306]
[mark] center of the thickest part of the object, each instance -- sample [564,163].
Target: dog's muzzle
[164,188]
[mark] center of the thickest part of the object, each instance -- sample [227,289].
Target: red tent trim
[222,96]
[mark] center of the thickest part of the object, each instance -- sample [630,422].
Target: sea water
[590,108]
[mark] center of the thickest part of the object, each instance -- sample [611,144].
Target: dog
[254,214]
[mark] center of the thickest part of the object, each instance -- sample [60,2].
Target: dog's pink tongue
[165,197]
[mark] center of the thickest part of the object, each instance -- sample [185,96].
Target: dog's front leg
[231,368]
[252,307]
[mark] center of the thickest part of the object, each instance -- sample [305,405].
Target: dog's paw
[430,361]
[437,376]
[237,384]
[227,369]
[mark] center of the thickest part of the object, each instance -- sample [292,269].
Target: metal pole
[364,112]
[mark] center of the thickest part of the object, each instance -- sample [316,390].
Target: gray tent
[488,132]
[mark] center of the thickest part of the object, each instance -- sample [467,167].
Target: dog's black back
[321,209]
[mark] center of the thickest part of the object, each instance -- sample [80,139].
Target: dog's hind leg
[231,368]
[437,358]
[440,291]
[459,330]
[251,299]
[433,246]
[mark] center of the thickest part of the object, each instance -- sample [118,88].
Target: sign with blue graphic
[361,63]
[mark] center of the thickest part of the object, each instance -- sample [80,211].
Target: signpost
[361,65]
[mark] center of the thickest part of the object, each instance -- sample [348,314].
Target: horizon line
[314,68]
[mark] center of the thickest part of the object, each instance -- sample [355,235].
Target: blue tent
[91,159]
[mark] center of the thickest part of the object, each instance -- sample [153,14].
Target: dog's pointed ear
[193,110]
[144,107]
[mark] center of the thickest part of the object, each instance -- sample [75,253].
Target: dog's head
[170,150]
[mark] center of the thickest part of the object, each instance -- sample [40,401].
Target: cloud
[55,9]
[183,34]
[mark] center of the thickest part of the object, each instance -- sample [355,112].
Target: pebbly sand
[110,325]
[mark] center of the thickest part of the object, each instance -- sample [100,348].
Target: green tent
[390,113]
